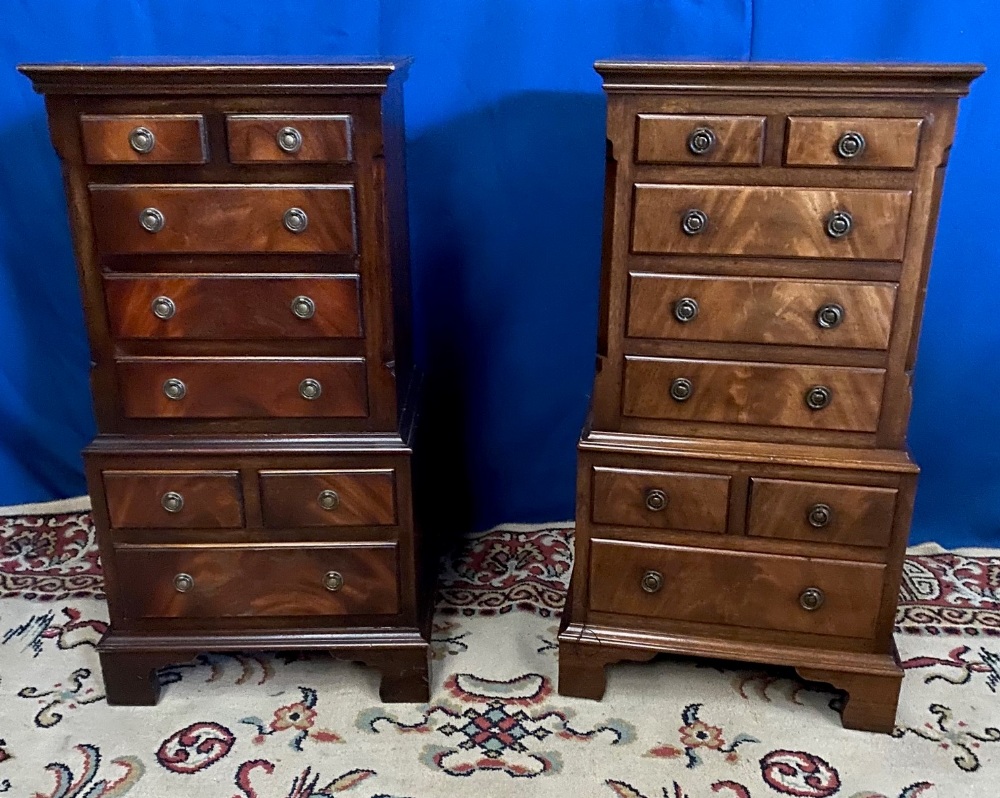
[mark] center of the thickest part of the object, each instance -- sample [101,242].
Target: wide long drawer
[777,222]
[763,591]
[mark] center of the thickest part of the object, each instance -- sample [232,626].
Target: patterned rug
[268,726]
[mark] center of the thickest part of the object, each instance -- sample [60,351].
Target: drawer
[761,591]
[755,310]
[224,218]
[843,223]
[155,138]
[628,497]
[852,142]
[728,392]
[328,498]
[687,139]
[854,515]
[174,499]
[280,139]
[204,581]
[203,387]
[216,307]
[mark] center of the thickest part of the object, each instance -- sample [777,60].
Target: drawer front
[203,581]
[243,388]
[224,218]
[853,143]
[328,498]
[281,139]
[753,393]
[770,222]
[761,311]
[854,515]
[213,307]
[686,139]
[760,591]
[159,138]
[627,497]
[174,499]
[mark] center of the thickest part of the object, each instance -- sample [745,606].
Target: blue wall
[505,123]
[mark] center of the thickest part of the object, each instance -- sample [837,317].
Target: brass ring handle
[681,389]
[295,220]
[329,499]
[811,599]
[174,389]
[686,309]
[656,500]
[694,222]
[818,397]
[829,316]
[652,581]
[839,224]
[289,139]
[172,501]
[183,583]
[701,140]
[850,145]
[151,220]
[142,140]
[303,307]
[819,515]
[333,581]
[310,389]
[163,307]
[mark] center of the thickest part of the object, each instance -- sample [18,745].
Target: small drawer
[328,498]
[161,219]
[174,499]
[205,581]
[755,310]
[820,512]
[852,143]
[762,591]
[846,224]
[690,502]
[158,138]
[206,387]
[769,394]
[686,139]
[211,307]
[282,139]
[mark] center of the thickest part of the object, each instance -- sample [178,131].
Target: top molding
[218,76]
[816,79]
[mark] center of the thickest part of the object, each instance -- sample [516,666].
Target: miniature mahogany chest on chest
[744,488]
[241,237]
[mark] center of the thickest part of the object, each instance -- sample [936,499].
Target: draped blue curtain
[505,121]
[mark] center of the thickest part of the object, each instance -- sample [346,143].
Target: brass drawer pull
[818,397]
[329,500]
[310,389]
[142,140]
[701,140]
[694,222]
[839,224]
[681,389]
[295,220]
[183,583]
[151,220]
[172,501]
[289,139]
[163,307]
[811,599]
[303,307]
[850,145]
[652,581]
[686,309]
[174,389]
[656,500]
[819,515]
[829,316]
[333,581]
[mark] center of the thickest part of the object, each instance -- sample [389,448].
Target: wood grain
[178,138]
[252,138]
[696,502]
[291,498]
[889,143]
[663,138]
[211,499]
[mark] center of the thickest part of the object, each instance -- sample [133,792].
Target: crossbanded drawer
[768,394]
[174,499]
[214,581]
[756,310]
[820,512]
[214,218]
[852,142]
[301,498]
[867,224]
[664,499]
[143,139]
[252,387]
[693,139]
[760,591]
[289,138]
[215,307]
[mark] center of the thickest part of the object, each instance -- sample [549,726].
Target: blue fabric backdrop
[505,123]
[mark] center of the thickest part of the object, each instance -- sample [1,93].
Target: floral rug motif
[260,725]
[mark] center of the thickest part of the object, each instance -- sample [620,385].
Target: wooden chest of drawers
[744,489]
[241,237]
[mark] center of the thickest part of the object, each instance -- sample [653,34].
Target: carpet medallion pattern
[289,726]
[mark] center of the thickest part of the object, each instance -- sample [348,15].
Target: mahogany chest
[240,232]
[744,487]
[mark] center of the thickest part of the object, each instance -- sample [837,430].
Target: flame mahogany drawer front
[760,591]
[218,307]
[328,498]
[161,219]
[152,139]
[270,138]
[634,497]
[684,139]
[853,143]
[174,499]
[205,581]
